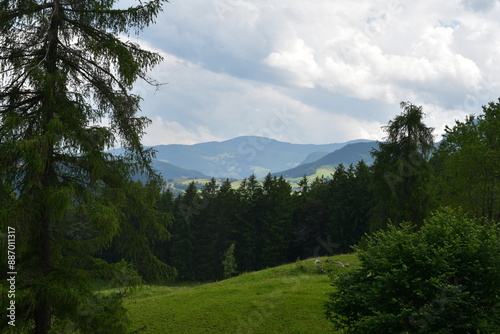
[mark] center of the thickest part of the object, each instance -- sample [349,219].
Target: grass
[284,299]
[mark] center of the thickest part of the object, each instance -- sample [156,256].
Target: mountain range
[349,154]
[243,156]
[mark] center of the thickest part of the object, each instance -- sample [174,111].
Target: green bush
[442,278]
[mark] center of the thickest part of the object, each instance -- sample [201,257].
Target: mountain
[349,154]
[240,157]
[315,156]
[169,171]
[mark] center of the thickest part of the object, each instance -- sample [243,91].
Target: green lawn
[285,299]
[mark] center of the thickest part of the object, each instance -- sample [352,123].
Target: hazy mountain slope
[313,157]
[349,154]
[169,171]
[240,157]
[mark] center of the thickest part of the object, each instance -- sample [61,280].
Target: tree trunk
[43,312]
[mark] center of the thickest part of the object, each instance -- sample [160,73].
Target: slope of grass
[285,299]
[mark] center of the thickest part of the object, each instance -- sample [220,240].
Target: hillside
[349,154]
[239,157]
[169,171]
[315,156]
[285,299]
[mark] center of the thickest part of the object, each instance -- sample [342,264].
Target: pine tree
[63,71]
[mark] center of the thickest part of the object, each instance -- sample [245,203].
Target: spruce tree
[63,72]
[207,263]
[244,229]
[186,221]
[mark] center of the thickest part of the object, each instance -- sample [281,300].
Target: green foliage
[443,278]
[268,223]
[332,214]
[143,227]
[274,225]
[229,262]
[63,71]
[467,163]
[402,173]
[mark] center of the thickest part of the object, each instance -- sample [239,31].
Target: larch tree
[401,170]
[64,72]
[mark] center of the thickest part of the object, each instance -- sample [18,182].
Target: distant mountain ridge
[169,171]
[240,157]
[315,156]
[349,154]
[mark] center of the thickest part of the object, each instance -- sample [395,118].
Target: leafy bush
[442,278]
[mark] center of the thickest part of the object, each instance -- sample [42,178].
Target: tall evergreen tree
[310,214]
[226,204]
[63,70]
[208,261]
[362,197]
[275,221]
[402,171]
[353,198]
[183,242]
[245,225]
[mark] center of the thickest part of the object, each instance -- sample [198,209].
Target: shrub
[442,278]
[229,262]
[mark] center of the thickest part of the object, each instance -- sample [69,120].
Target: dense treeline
[268,223]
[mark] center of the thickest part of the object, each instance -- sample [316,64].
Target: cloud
[298,59]
[479,5]
[339,69]
[353,61]
[165,132]
[201,105]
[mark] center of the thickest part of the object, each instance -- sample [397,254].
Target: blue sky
[317,71]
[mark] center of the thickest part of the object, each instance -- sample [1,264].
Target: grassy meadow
[284,299]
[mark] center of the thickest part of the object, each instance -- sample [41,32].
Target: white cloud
[299,59]
[201,105]
[339,68]
[165,132]
[352,61]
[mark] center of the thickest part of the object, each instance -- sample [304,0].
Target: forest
[265,223]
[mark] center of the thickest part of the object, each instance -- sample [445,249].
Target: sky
[316,71]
